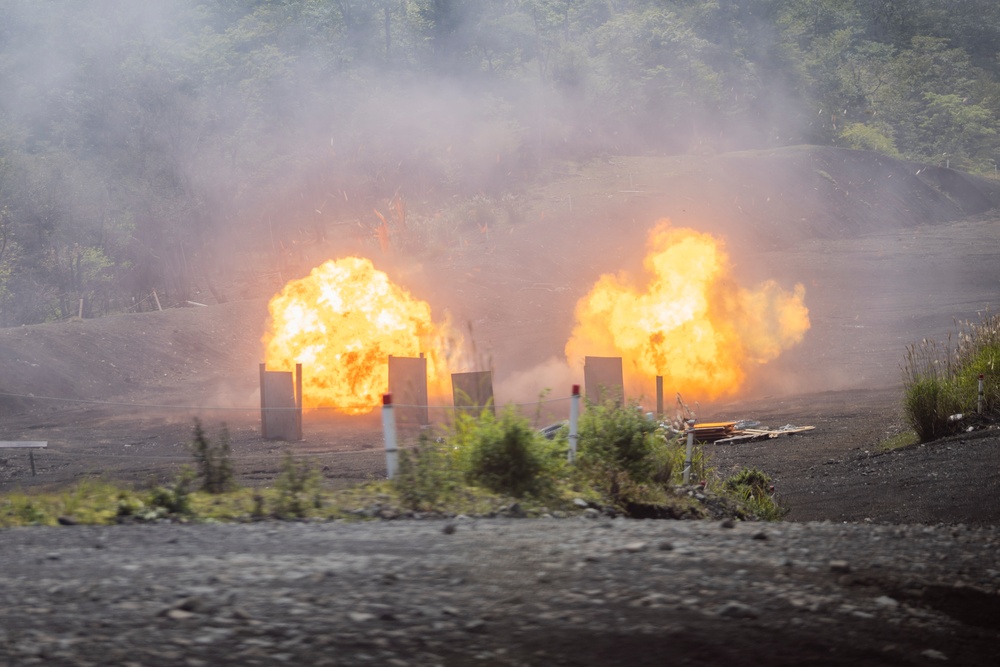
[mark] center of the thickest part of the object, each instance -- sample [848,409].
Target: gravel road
[500,592]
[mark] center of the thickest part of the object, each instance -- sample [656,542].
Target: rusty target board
[281,404]
[408,386]
[603,380]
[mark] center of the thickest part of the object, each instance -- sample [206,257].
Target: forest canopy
[145,144]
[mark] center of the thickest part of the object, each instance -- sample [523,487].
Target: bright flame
[691,323]
[342,322]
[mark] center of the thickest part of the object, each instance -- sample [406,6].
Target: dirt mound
[183,351]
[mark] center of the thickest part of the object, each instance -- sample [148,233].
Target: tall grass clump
[943,380]
[426,475]
[298,488]
[171,499]
[978,353]
[930,394]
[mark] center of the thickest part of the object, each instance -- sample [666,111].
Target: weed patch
[297,488]
[213,459]
[754,490]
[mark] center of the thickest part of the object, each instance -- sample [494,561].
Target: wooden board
[755,434]
[408,386]
[603,380]
[279,411]
[473,392]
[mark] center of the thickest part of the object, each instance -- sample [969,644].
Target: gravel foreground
[500,592]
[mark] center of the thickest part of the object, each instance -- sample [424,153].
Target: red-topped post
[389,434]
[574,422]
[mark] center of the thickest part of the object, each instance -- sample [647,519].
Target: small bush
[176,498]
[214,460]
[26,511]
[626,455]
[128,505]
[623,439]
[426,474]
[298,488]
[504,454]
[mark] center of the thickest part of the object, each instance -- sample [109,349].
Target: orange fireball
[689,322]
[342,322]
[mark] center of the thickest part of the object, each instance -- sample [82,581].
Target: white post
[687,455]
[389,433]
[979,404]
[574,422]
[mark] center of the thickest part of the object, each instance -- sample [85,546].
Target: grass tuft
[941,381]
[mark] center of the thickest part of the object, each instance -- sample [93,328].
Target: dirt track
[570,592]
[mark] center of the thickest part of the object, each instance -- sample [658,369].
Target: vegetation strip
[627,465]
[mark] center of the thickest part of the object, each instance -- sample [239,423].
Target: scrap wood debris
[735,432]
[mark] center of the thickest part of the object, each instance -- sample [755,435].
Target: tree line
[143,145]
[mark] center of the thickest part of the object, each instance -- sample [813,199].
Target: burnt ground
[889,253]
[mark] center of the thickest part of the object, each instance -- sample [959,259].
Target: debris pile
[753,434]
[736,432]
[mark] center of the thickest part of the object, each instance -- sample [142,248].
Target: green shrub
[214,460]
[298,487]
[176,498]
[626,455]
[426,474]
[128,505]
[622,438]
[504,454]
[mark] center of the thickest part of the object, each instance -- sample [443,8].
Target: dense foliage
[161,146]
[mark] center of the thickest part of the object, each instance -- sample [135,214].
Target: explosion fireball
[342,322]
[690,322]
